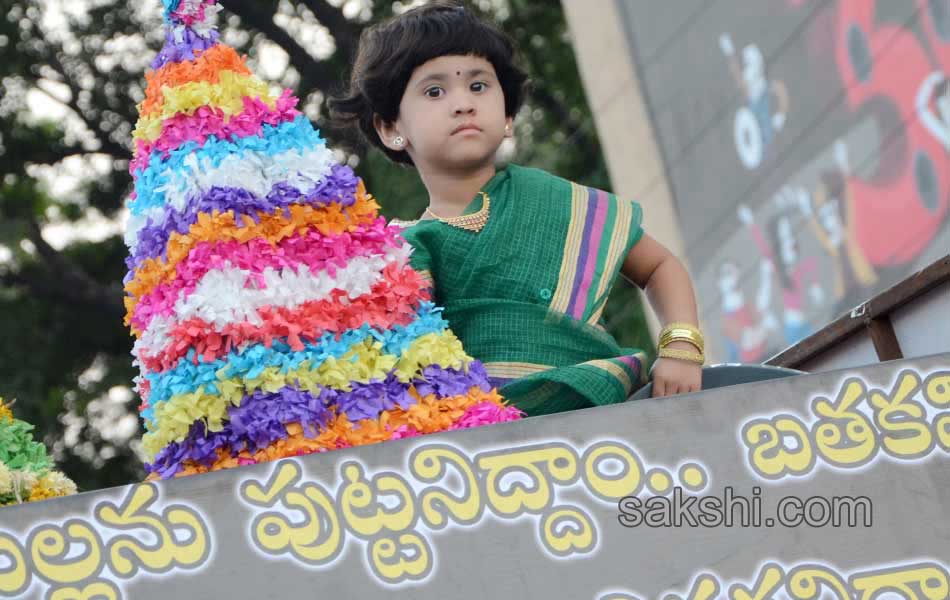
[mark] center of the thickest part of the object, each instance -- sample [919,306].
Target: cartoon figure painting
[798,276]
[745,328]
[933,106]
[893,72]
[831,215]
[758,121]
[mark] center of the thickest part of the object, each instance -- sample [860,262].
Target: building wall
[621,115]
[806,148]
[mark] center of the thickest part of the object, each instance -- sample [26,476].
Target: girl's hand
[672,376]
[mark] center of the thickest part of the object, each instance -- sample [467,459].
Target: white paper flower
[6,480]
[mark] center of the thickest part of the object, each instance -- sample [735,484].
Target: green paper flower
[18,450]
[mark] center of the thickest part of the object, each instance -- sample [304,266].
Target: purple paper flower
[451,382]
[338,186]
[189,48]
[262,417]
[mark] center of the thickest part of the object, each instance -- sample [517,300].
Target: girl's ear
[509,127]
[389,134]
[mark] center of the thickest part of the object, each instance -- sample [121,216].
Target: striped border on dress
[513,370]
[627,370]
[572,246]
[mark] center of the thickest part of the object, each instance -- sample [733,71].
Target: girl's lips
[466,127]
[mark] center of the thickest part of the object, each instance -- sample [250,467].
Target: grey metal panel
[854,351]
[923,326]
[536,511]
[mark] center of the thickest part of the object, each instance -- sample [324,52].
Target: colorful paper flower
[25,474]
[274,310]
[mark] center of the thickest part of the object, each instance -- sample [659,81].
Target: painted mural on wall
[808,147]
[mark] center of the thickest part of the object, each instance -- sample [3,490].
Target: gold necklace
[473,222]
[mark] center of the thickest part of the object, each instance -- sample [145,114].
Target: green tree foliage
[73,72]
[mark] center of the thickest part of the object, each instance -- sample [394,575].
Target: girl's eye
[479,86]
[433,92]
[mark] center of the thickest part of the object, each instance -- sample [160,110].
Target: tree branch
[73,283]
[107,145]
[345,33]
[260,16]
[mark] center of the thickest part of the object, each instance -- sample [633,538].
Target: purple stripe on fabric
[339,186]
[593,254]
[191,46]
[582,255]
[633,362]
[262,417]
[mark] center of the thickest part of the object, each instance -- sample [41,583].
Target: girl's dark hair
[390,51]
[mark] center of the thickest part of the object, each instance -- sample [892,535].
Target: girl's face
[452,115]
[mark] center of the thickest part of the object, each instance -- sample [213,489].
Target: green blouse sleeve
[421,259]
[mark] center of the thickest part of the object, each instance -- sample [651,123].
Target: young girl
[521,260]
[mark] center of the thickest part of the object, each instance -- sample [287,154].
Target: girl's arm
[668,287]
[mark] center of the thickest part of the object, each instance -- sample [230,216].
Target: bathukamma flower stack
[26,472]
[274,309]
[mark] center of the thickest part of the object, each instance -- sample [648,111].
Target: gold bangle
[685,332]
[681,335]
[693,357]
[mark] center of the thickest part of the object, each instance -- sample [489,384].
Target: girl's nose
[464,108]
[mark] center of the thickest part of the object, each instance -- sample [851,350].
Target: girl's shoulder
[532,186]
[538,182]
[534,176]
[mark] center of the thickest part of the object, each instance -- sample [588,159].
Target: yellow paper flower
[364,362]
[5,413]
[52,485]
[443,349]
[23,484]
[56,484]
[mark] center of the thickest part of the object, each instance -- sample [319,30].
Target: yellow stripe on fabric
[514,370]
[228,95]
[363,363]
[614,370]
[618,244]
[572,245]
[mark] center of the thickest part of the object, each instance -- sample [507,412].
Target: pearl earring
[508,129]
[399,141]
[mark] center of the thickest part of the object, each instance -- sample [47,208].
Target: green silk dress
[525,294]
